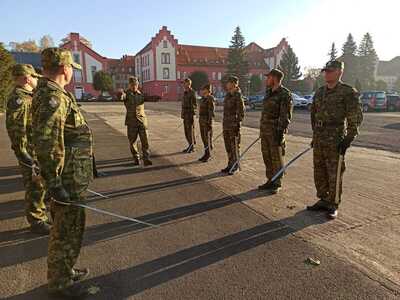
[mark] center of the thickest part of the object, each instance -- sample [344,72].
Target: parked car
[374,101]
[256,101]
[301,102]
[105,98]
[393,102]
[219,101]
[86,97]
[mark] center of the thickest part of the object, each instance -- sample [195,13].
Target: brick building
[120,70]
[90,61]
[163,63]
[389,72]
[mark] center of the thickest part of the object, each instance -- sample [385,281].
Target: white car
[300,102]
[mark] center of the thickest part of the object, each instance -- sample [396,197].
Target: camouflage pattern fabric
[63,143]
[206,115]
[136,122]
[233,116]
[335,114]
[18,124]
[189,107]
[275,119]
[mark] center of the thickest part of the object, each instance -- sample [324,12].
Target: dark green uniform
[275,119]
[19,128]
[206,115]
[136,122]
[233,116]
[63,143]
[189,106]
[336,114]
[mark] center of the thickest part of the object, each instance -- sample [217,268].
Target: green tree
[368,60]
[102,82]
[255,84]
[333,52]
[199,79]
[26,46]
[237,62]
[289,65]
[6,82]
[351,61]
[46,41]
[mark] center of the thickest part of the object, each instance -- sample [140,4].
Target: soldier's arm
[354,115]
[285,113]
[312,113]
[49,139]
[211,107]
[16,123]
[194,102]
[240,107]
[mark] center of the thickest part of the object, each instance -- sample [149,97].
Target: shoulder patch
[54,102]
[19,101]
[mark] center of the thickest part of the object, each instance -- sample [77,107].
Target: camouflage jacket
[277,110]
[134,104]
[206,109]
[336,112]
[189,104]
[60,132]
[233,110]
[19,121]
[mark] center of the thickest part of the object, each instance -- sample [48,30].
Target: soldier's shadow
[172,266]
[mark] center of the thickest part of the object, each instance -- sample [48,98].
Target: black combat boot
[42,228]
[265,186]
[233,170]
[226,170]
[274,188]
[206,156]
[321,205]
[136,161]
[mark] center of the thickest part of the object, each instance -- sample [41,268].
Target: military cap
[207,87]
[24,70]
[187,80]
[233,79]
[275,73]
[333,64]
[133,79]
[55,57]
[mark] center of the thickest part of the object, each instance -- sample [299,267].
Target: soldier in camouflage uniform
[19,127]
[233,116]
[136,121]
[63,143]
[206,115]
[336,116]
[189,106]
[275,119]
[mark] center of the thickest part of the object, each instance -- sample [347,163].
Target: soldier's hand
[279,137]
[344,144]
[60,194]
[27,159]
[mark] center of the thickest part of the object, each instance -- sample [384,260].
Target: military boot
[206,156]
[321,205]
[42,228]
[265,186]
[274,188]
[136,161]
[233,170]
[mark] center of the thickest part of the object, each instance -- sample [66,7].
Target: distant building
[163,63]
[90,61]
[389,72]
[120,70]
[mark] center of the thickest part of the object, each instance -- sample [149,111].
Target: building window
[93,70]
[213,75]
[219,75]
[165,73]
[166,89]
[77,75]
[184,75]
[178,75]
[165,58]
[165,44]
[77,58]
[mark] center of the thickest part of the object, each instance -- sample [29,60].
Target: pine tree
[333,52]
[237,62]
[351,61]
[289,65]
[368,61]
[6,82]
[350,46]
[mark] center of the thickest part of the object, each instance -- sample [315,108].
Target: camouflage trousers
[206,134]
[133,133]
[326,163]
[69,221]
[273,156]
[188,125]
[232,144]
[35,193]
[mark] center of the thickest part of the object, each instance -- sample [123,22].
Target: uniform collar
[19,89]
[135,93]
[55,86]
[333,89]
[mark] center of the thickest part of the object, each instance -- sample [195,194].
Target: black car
[256,101]
[86,97]
[393,102]
[104,98]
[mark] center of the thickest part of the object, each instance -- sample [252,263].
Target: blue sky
[120,26]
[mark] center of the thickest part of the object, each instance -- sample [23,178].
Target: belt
[322,124]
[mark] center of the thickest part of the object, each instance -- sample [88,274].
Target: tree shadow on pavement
[11,185]
[9,171]
[12,209]
[169,267]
